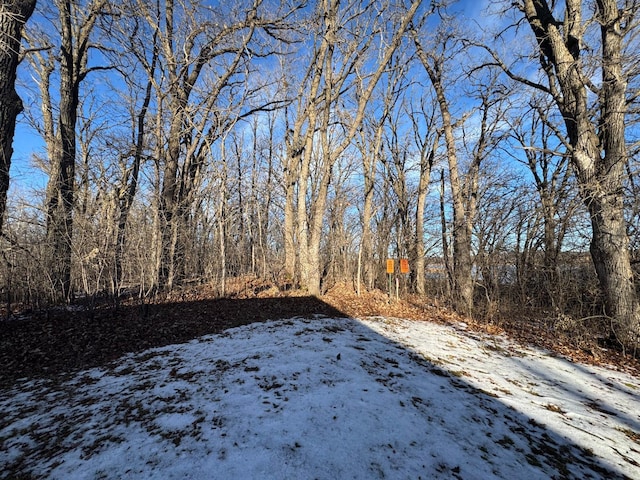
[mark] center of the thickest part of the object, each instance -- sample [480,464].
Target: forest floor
[266,383]
[66,339]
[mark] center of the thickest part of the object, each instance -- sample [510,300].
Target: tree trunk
[366,258]
[222,219]
[610,243]
[462,281]
[370,150]
[289,228]
[419,245]
[61,189]
[610,253]
[168,200]
[13,16]
[426,163]
[446,261]
[310,221]
[130,176]
[302,222]
[61,146]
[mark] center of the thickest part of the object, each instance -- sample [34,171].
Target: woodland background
[303,143]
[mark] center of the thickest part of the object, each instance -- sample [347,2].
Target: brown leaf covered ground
[66,339]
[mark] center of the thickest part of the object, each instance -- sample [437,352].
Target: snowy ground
[328,399]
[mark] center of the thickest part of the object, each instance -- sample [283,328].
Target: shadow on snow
[77,342]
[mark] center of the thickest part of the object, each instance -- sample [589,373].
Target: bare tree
[397,164]
[13,16]
[570,48]
[206,55]
[370,144]
[427,143]
[537,141]
[480,133]
[138,58]
[329,74]
[76,24]
[501,194]
[384,149]
[434,61]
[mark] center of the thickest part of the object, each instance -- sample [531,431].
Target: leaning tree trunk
[462,280]
[13,16]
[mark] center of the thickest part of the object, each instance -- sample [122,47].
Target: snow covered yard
[327,398]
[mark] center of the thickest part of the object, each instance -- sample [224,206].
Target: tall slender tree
[434,61]
[427,144]
[131,161]
[67,52]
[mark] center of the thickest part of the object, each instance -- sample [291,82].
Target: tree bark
[427,143]
[60,204]
[370,157]
[446,260]
[289,230]
[369,149]
[13,16]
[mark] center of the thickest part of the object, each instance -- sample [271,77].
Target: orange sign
[404,265]
[390,265]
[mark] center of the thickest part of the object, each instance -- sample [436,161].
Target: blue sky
[26,179]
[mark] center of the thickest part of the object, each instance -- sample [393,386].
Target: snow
[327,398]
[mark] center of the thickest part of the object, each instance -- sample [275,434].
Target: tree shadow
[568,377]
[468,424]
[64,341]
